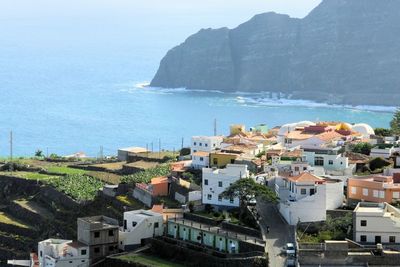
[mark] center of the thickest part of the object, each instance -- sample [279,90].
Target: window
[303,191]
[296,169]
[110,248]
[96,234]
[201,159]
[195,144]
[215,161]
[200,144]
[70,261]
[354,190]
[206,145]
[365,191]
[330,162]
[363,223]
[396,195]
[156,225]
[209,196]
[83,252]
[219,198]
[232,161]
[220,184]
[392,239]
[376,193]
[82,260]
[363,238]
[205,181]
[231,200]
[194,151]
[41,253]
[110,232]
[381,194]
[312,191]
[134,224]
[319,161]
[214,145]
[97,250]
[304,168]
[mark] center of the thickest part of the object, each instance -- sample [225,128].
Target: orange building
[374,189]
[159,186]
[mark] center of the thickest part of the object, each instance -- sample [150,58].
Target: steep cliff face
[344,51]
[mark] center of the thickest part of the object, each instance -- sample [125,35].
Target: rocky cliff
[344,51]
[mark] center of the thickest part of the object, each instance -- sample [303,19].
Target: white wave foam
[275,102]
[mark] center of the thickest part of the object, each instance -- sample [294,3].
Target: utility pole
[152,148]
[215,127]
[47,152]
[159,148]
[147,149]
[182,143]
[11,152]
[101,153]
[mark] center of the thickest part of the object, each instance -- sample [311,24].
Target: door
[378,239]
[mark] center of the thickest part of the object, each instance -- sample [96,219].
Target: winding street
[279,234]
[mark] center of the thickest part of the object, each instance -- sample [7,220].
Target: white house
[382,151]
[326,157]
[215,181]
[139,225]
[200,160]
[60,253]
[205,143]
[306,197]
[376,223]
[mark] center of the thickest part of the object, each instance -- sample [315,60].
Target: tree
[247,189]
[395,123]
[362,148]
[383,132]
[39,153]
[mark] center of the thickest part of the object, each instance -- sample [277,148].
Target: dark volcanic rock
[344,51]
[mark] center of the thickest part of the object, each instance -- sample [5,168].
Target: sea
[80,83]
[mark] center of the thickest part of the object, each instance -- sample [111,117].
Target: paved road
[280,233]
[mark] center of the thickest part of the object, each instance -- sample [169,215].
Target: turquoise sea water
[76,85]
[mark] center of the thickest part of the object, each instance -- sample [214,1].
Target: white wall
[200,162]
[377,225]
[226,176]
[205,143]
[339,163]
[144,228]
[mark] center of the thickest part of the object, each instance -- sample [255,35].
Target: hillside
[343,52]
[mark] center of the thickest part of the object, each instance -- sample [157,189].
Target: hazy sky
[232,12]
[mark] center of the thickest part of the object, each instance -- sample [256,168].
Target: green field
[6,219]
[147,260]
[64,170]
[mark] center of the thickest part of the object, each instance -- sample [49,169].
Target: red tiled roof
[306,177]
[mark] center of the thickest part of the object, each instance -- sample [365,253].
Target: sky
[218,12]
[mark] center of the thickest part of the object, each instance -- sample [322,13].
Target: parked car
[290,249]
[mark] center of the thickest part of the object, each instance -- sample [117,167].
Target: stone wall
[201,219]
[241,229]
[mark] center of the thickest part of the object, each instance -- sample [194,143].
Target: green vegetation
[128,201]
[39,153]
[378,164]
[78,186]
[168,202]
[332,229]
[362,148]
[64,170]
[147,260]
[259,155]
[383,132]
[147,175]
[247,189]
[29,175]
[395,123]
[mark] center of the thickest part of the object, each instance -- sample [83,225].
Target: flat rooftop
[218,230]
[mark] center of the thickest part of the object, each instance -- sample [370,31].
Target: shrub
[378,163]
[362,148]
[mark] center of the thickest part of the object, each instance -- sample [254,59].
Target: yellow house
[237,128]
[221,159]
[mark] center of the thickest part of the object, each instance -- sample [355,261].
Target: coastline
[268,99]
